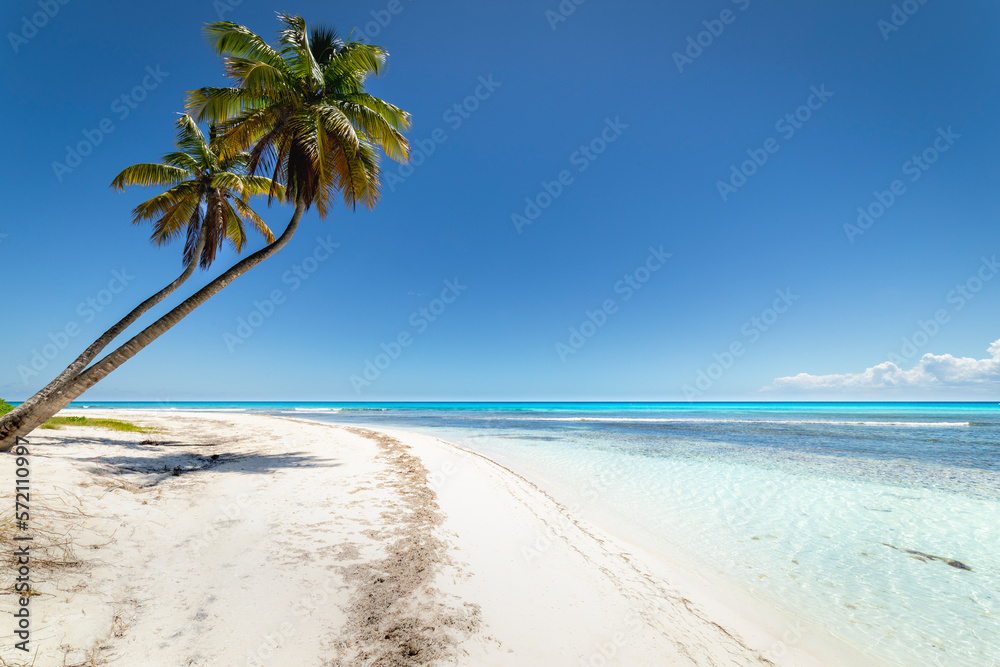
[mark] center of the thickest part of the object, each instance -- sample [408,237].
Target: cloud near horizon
[931,372]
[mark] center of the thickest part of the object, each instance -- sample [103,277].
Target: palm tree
[204,188]
[302,114]
[206,184]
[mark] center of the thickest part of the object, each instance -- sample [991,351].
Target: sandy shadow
[150,460]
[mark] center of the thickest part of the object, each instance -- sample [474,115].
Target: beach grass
[59,422]
[113,424]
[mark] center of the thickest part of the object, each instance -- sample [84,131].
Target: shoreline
[777,635]
[495,567]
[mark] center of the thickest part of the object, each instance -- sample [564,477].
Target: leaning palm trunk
[56,387]
[13,426]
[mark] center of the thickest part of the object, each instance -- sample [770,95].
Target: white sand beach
[238,539]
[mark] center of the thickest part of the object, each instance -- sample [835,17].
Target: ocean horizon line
[528,402]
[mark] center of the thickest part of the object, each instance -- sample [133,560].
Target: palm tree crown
[209,187]
[302,112]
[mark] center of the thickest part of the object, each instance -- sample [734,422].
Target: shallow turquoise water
[878,523]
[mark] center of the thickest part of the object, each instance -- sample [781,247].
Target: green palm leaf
[204,176]
[232,38]
[149,174]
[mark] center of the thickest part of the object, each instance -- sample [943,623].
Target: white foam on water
[698,420]
[183,409]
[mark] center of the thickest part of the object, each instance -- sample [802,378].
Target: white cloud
[933,371]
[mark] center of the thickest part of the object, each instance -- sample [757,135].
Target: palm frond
[159,205]
[295,50]
[218,105]
[377,128]
[235,232]
[395,117]
[215,225]
[244,210]
[228,38]
[248,129]
[149,174]
[254,75]
[256,186]
[194,229]
[191,140]
[182,161]
[174,220]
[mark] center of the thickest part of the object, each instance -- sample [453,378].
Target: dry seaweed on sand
[396,617]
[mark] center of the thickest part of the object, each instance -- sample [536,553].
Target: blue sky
[622,131]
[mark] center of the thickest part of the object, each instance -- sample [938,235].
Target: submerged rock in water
[920,555]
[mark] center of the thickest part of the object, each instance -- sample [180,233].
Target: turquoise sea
[875,523]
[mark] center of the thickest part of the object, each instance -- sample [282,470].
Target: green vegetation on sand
[59,422]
